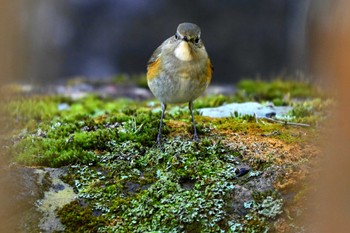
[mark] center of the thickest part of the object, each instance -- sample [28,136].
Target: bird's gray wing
[156,54]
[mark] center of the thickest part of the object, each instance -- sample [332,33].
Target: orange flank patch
[153,69]
[210,70]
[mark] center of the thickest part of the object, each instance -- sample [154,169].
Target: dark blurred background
[101,38]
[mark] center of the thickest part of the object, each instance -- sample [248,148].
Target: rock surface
[29,198]
[248,108]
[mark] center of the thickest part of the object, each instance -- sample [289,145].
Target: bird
[179,71]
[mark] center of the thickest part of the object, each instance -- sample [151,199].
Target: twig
[256,118]
[285,122]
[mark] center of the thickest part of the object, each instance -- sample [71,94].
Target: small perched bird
[179,70]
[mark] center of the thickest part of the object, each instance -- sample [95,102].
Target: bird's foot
[158,142]
[196,138]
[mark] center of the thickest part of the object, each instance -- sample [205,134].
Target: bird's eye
[177,36]
[196,40]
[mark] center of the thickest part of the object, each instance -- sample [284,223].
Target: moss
[212,101]
[159,197]
[19,113]
[249,126]
[124,182]
[313,111]
[278,91]
[125,79]
[79,137]
[79,218]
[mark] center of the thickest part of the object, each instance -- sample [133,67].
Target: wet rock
[19,191]
[29,198]
[248,108]
[242,171]
[187,183]
[132,187]
[57,195]
[220,90]
[259,182]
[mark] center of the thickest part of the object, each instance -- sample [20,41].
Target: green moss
[25,113]
[124,79]
[248,125]
[123,186]
[278,91]
[313,111]
[79,218]
[212,101]
[124,182]
[88,127]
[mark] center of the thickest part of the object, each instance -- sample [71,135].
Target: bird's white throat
[183,51]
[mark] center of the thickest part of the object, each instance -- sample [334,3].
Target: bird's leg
[195,136]
[159,136]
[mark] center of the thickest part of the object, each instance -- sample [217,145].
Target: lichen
[262,209]
[54,198]
[125,183]
[161,196]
